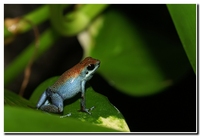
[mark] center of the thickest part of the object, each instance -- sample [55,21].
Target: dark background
[172,110]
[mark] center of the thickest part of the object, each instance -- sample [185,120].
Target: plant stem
[76,21]
[21,25]
[20,62]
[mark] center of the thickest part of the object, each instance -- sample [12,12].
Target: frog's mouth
[95,69]
[97,66]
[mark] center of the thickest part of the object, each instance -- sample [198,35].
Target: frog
[69,84]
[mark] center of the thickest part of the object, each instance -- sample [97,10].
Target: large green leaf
[24,120]
[104,113]
[136,61]
[184,18]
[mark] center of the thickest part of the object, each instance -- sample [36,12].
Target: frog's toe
[67,115]
[87,110]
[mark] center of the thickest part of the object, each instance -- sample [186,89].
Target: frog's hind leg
[56,105]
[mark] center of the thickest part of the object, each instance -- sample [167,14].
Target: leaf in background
[184,18]
[137,61]
[23,120]
[13,99]
[104,113]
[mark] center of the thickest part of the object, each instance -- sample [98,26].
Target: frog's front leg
[56,105]
[82,103]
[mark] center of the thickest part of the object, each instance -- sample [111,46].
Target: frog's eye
[90,67]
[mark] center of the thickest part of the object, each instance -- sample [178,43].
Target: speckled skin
[68,85]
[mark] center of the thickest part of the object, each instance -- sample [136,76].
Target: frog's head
[89,66]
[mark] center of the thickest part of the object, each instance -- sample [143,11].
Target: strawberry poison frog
[68,85]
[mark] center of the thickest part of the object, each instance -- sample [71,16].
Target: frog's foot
[87,110]
[67,115]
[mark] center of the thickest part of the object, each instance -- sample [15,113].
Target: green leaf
[135,60]
[24,120]
[13,99]
[184,18]
[103,114]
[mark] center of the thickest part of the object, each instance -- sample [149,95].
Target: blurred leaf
[23,120]
[184,18]
[137,61]
[13,99]
[104,113]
